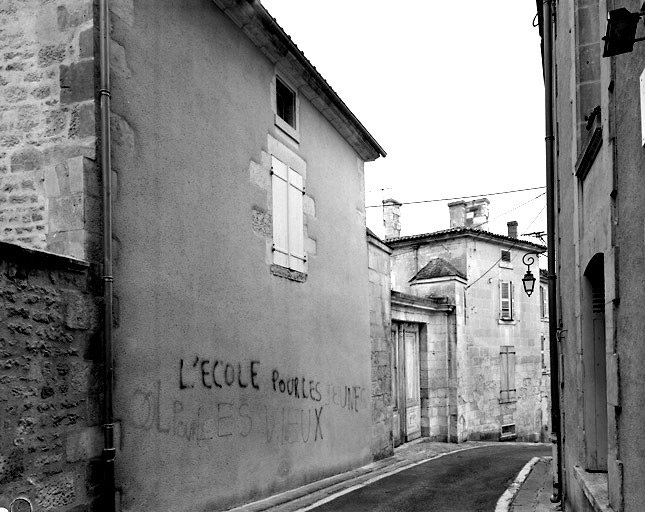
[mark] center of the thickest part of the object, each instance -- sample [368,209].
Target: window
[507,373]
[506,300]
[505,260]
[544,302]
[288,216]
[543,352]
[285,100]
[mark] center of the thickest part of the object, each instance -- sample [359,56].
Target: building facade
[241,328]
[483,365]
[599,159]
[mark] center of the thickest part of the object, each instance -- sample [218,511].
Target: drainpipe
[109,451]
[556,434]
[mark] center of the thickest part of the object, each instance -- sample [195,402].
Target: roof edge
[463,232]
[265,32]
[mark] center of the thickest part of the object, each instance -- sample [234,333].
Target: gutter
[109,450]
[546,31]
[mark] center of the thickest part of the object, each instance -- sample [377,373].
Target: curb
[505,501]
[385,474]
[337,485]
[317,493]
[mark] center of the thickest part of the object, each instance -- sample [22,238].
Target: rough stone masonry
[49,197]
[50,381]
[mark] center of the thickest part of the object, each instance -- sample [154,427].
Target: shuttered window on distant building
[506,300]
[507,373]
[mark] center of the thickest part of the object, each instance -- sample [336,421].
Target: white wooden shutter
[507,373]
[296,222]
[511,373]
[503,375]
[512,302]
[288,216]
[280,186]
[505,300]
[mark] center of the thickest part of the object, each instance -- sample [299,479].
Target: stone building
[50,384]
[240,327]
[599,161]
[468,339]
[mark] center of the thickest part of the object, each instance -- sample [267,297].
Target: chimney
[469,214]
[457,214]
[512,228]
[391,216]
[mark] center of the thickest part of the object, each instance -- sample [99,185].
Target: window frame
[511,300]
[293,131]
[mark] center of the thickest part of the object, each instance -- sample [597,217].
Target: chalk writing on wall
[215,373]
[150,410]
[218,374]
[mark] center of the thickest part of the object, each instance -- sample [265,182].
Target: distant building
[467,342]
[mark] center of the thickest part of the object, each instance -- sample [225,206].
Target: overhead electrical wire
[511,210]
[461,197]
[513,245]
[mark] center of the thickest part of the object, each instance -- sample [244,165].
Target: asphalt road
[467,481]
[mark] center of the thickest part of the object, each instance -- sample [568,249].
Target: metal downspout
[556,434]
[109,449]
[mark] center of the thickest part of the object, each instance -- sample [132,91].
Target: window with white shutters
[288,216]
[507,373]
[506,300]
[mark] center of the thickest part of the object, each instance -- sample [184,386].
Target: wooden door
[410,337]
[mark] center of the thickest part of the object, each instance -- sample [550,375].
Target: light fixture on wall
[529,279]
[621,31]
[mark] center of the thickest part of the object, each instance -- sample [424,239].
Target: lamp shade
[529,282]
[621,32]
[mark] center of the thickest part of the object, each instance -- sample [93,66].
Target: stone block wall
[48,180]
[380,327]
[50,381]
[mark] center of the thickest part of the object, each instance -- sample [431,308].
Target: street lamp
[529,279]
[621,31]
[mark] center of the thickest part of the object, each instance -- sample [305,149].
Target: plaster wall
[198,305]
[407,260]
[567,254]
[630,231]
[598,213]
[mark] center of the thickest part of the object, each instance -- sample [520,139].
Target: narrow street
[466,481]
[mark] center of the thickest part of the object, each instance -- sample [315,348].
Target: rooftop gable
[263,30]
[437,267]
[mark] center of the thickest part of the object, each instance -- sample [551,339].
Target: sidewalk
[538,483]
[535,491]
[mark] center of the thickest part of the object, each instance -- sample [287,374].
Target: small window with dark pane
[285,103]
[506,256]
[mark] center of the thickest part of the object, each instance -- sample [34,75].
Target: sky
[452,91]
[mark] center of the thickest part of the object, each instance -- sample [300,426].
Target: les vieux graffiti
[300,420]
